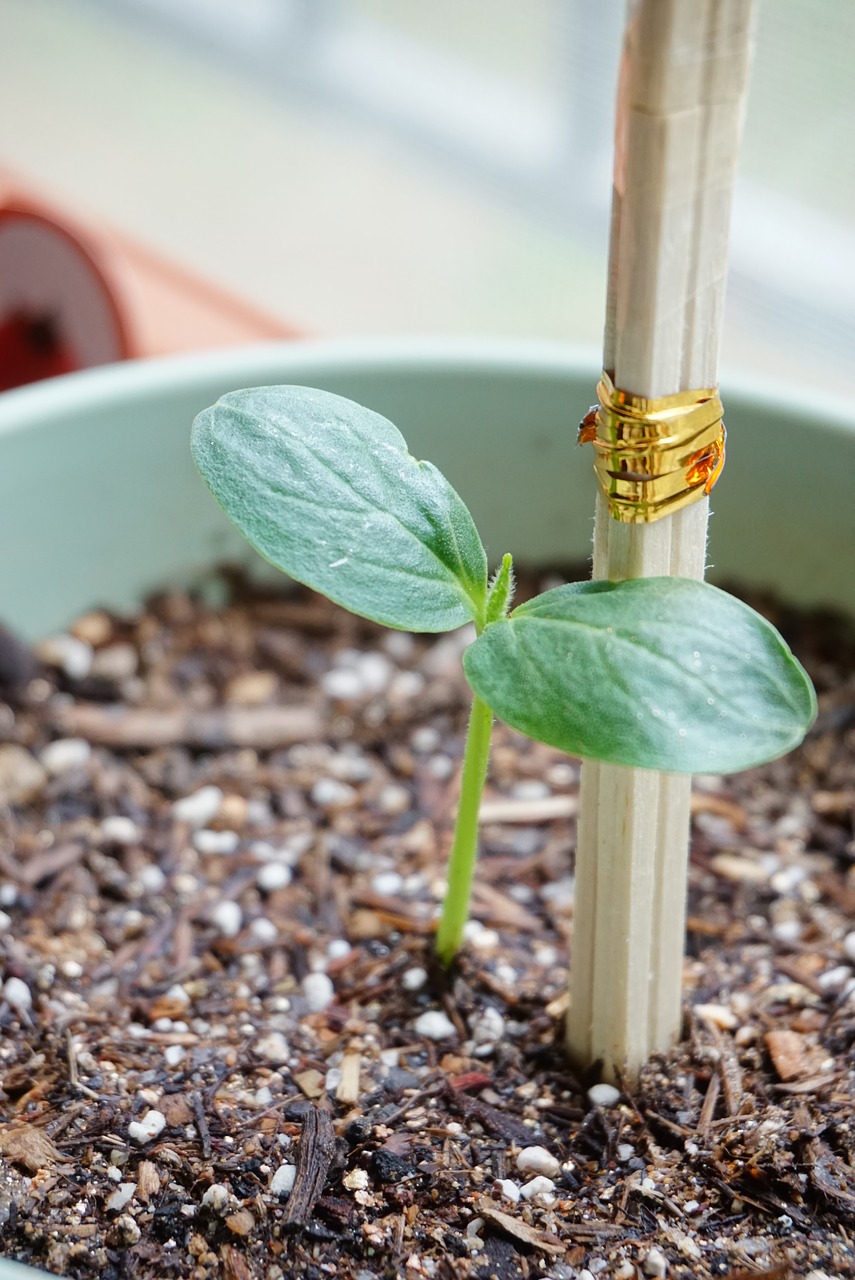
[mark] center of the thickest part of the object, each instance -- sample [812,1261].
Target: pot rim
[24,407]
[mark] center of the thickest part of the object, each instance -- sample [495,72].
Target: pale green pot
[100,503]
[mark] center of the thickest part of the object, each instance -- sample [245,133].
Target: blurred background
[400,167]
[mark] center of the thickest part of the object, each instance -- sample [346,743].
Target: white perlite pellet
[65,754]
[152,878]
[538,1160]
[849,946]
[73,656]
[120,830]
[603,1095]
[318,991]
[18,994]
[263,930]
[329,793]
[414,979]
[272,876]
[273,1047]
[510,1190]
[217,1197]
[434,1025]
[537,1187]
[387,883]
[655,1263]
[199,807]
[118,1199]
[282,1182]
[222,842]
[173,1053]
[5,921]
[227,918]
[343,685]
[146,1130]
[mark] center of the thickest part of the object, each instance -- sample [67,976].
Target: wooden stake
[683,80]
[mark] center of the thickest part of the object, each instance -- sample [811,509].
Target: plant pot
[100,503]
[99,500]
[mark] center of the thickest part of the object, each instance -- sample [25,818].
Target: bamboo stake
[681,95]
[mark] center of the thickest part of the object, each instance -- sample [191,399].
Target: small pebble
[94,627]
[17,994]
[251,688]
[5,921]
[263,1096]
[625,1151]
[717,1014]
[603,1095]
[282,1182]
[329,793]
[510,1190]
[21,776]
[199,807]
[71,655]
[146,1130]
[173,1053]
[273,1047]
[434,1025]
[318,991]
[207,841]
[338,948]
[227,918]
[849,946]
[120,830]
[405,686]
[414,979]
[273,875]
[393,799]
[655,1263]
[115,663]
[538,1160]
[65,754]
[538,1187]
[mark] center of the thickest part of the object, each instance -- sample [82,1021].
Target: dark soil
[208,1001]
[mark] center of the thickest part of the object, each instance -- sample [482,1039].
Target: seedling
[655,673]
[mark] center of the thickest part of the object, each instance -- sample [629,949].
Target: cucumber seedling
[655,673]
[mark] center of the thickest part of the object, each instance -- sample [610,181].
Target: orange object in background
[74,295]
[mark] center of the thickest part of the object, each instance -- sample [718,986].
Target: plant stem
[464,848]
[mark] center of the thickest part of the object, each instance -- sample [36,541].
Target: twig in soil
[262,728]
[708,1107]
[314,1153]
[201,1123]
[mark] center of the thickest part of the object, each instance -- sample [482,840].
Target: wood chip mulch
[226,1051]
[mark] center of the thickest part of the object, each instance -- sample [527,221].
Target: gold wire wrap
[654,456]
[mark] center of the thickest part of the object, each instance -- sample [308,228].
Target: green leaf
[327,492]
[657,673]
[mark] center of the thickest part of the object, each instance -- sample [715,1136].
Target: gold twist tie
[654,456]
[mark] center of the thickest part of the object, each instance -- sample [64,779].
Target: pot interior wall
[100,503]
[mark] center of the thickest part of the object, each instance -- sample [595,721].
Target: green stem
[464,849]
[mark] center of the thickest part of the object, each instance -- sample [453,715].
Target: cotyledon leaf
[327,491]
[657,673]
